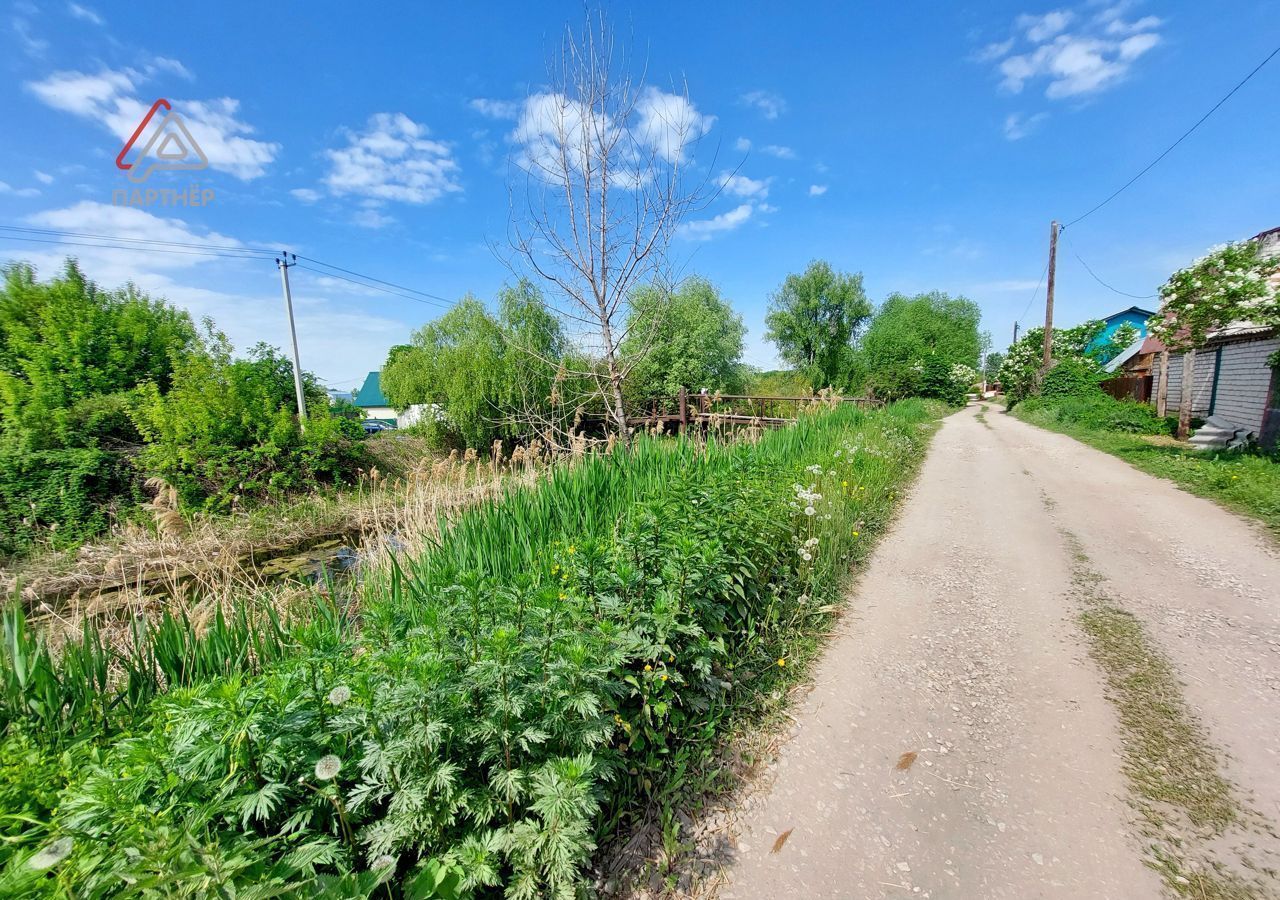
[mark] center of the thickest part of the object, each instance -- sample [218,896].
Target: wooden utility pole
[1048,297]
[1188,388]
[1162,385]
[1015,332]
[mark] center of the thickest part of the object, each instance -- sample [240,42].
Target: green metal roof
[370,393]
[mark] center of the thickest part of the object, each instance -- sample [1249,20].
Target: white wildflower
[340,695]
[51,854]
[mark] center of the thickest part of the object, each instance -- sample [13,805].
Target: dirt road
[1085,663]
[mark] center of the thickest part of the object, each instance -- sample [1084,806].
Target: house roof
[1147,313]
[1126,354]
[370,393]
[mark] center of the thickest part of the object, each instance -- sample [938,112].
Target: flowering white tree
[1236,282]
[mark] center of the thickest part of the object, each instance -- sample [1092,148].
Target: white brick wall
[1242,381]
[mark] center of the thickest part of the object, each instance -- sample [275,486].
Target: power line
[1034,294]
[65,243]
[1186,134]
[392,284]
[190,248]
[1107,286]
[129,240]
[376,287]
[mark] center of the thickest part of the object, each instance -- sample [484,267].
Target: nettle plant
[1235,282]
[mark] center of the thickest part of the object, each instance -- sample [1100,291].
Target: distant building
[1134,315]
[371,399]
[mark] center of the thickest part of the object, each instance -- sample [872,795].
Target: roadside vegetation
[102,389]
[560,658]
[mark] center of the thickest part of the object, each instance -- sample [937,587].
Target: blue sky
[926,145]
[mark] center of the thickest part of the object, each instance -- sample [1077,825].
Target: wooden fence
[1129,387]
[687,409]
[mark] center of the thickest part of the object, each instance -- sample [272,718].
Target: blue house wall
[1134,315]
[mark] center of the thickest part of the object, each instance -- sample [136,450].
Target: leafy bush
[912,344]
[227,430]
[1073,376]
[555,664]
[59,497]
[1096,411]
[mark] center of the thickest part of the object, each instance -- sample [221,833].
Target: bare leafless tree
[598,190]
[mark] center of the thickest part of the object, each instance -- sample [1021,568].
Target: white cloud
[995,50]
[742,145]
[43,177]
[1041,28]
[705,229]
[372,218]
[817,190]
[742,186]
[669,123]
[110,98]
[21,26]
[392,159]
[84,13]
[306,195]
[551,123]
[338,334]
[770,104]
[496,109]
[778,151]
[1073,53]
[6,188]
[1018,126]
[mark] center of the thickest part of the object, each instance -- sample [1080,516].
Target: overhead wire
[1186,134]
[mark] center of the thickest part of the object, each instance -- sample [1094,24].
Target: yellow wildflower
[782,662]
[648,668]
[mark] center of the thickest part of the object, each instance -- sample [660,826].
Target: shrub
[227,430]
[59,497]
[1073,376]
[1098,412]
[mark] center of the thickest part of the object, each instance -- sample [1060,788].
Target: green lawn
[1247,483]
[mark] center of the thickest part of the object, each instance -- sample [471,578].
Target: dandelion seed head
[328,767]
[340,695]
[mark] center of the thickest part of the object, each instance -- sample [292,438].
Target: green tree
[227,430]
[490,377]
[914,341]
[991,366]
[66,345]
[690,338]
[814,318]
[71,358]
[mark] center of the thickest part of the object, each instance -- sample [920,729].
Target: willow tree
[598,190]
